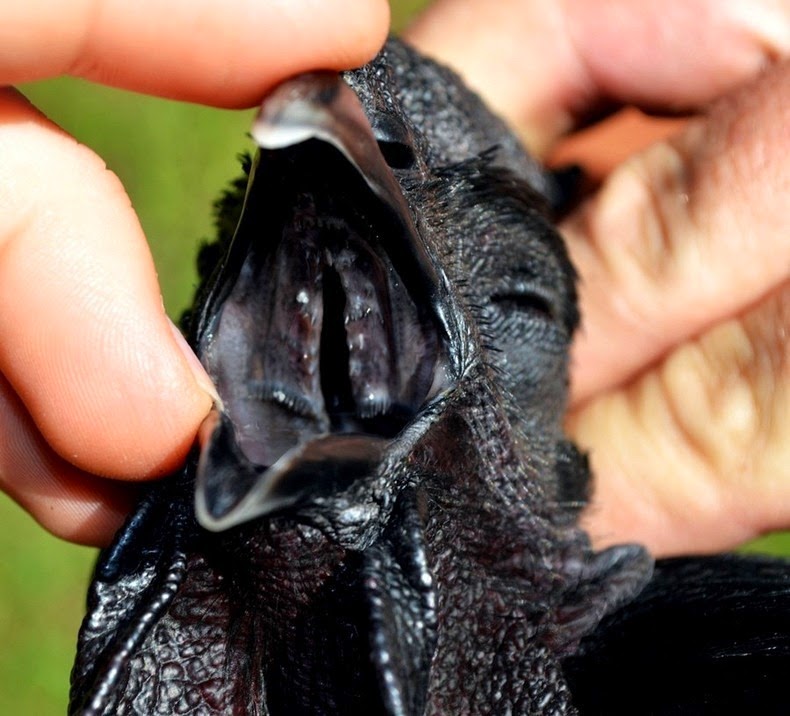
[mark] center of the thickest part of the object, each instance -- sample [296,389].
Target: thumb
[84,339]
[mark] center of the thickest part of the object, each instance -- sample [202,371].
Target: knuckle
[641,230]
[728,390]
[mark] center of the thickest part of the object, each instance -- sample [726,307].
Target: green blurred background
[173,159]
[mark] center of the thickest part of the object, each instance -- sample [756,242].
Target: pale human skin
[680,374]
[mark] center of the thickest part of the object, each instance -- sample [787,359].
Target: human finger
[603,146]
[548,66]
[84,339]
[224,54]
[66,501]
[683,235]
[695,454]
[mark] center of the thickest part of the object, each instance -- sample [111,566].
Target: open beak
[326,332]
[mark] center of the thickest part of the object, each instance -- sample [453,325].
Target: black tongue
[231,490]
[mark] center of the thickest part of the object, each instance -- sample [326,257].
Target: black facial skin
[381,517]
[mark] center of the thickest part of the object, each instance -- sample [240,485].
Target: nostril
[397,155]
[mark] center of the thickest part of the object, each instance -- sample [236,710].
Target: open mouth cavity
[320,333]
[327,341]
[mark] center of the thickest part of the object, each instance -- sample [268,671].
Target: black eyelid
[527,298]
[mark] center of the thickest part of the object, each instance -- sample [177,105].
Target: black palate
[331,337]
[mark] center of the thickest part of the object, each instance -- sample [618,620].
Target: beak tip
[299,109]
[277,135]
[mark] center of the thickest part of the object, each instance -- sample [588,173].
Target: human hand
[681,371]
[95,382]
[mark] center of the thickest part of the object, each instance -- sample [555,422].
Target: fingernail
[201,377]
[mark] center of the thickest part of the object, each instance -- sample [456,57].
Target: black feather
[707,636]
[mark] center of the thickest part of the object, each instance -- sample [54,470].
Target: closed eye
[525,302]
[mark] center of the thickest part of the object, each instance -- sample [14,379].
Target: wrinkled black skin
[464,585]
